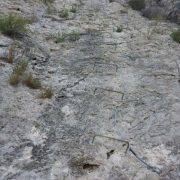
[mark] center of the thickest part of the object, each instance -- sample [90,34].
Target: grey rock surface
[165,9]
[122,85]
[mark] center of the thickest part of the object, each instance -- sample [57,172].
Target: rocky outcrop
[115,108]
[162,9]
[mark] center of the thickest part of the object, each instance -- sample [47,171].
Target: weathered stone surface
[164,9]
[123,85]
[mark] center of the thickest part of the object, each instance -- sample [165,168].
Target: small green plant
[47,93]
[32,82]
[72,36]
[137,4]
[60,38]
[13,25]
[21,67]
[47,2]
[64,14]
[176,35]
[73,8]
[119,29]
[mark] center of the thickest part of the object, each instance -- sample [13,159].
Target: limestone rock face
[115,79]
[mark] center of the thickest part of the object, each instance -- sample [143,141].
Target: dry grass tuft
[47,93]
[14,79]
[18,71]
[32,82]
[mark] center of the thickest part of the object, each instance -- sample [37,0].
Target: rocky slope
[113,72]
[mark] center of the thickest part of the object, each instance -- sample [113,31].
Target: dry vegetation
[32,82]
[47,93]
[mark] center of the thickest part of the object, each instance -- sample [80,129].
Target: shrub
[64,14]
[47,93]
[32,82]
[176,35]
[137,4]
[13,25]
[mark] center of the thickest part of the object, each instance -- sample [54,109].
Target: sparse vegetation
[21,67]
[18,72]
[47,93]
[10,56]
[119,29]
[137,4]
[72,36]
[13,25]
[60,38]
[176,35]
[73,8]
[32,82]
[64,13]
[14,79]
[47,1]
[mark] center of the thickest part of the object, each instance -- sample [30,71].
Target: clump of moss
[32,82]
[137,4]
[176,35]
[13,25]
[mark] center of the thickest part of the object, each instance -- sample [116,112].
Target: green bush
[13,25]
[176,35]
[137,4]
